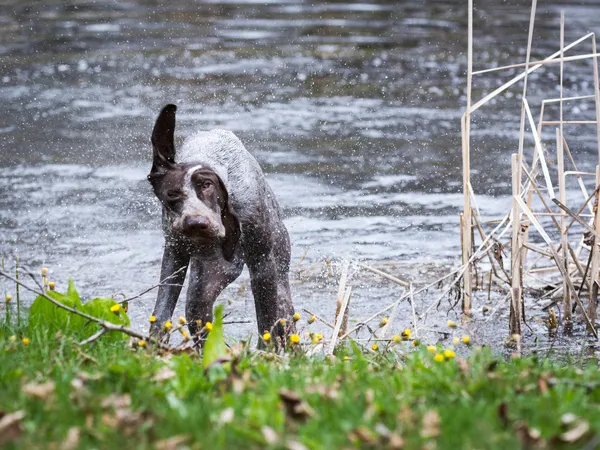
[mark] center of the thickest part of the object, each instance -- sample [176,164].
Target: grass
[107,395]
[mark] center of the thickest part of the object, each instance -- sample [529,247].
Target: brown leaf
[172,443]
[10,426]
[431,424]
[363,436]
[271,437]
[165,373]
[226,416]
[528,436]
[294,406]
[395,441]
[72,439]
[41,391]
[503,414]
[580,429]
[116,401]
[295,445]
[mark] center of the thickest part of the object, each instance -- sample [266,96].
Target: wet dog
[218,213]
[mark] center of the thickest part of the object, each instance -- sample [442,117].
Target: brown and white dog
[218,213]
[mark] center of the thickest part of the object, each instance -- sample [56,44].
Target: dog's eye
[206,184]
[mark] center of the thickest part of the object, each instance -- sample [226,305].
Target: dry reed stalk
[519,77]
[339,320]
[466,222]
[385,275]
[540,150]
[543,62]
[557,260]
[569,122]
[516,262]
[595,257]
[568,319]
[341,289]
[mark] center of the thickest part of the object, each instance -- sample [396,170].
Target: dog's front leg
[172,276]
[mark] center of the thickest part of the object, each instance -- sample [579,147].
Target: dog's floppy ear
[230,222]
[163,140]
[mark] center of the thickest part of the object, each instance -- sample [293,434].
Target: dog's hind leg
[208,278]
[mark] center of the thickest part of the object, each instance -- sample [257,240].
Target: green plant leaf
[215,348]
[46,317]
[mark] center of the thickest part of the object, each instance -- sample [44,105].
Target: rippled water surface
[352,109]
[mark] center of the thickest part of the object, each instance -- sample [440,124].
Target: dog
[218,213]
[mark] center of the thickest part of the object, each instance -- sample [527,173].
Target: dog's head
[194,198]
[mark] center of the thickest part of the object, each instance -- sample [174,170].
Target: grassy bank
[55,393]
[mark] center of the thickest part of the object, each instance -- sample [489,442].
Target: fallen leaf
[295,445]
[271,437]
[431,424]
[165,373]
[116,401]
[72,440]
[576,433]
[171,443]
[503,414]
[363,436]
[41,391]
[395,441]
[10,426]
[294,406]
[226,416]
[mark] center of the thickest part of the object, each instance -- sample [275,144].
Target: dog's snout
[196,224]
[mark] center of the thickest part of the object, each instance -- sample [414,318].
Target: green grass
[355,400]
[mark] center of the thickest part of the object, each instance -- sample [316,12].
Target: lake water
[352,109]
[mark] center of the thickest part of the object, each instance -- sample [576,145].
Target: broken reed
[526,188]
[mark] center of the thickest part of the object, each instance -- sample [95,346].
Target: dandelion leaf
[215,348]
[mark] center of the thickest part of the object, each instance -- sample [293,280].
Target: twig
[162,283]
[385,275]
[318,318]
[108,326]
[340,319]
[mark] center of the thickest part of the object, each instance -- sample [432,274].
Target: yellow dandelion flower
[416,343]
[115,308]
[383,321]
[466,340]
[294,339]
[312,319]
[449,354]
[347,358]
[44,271]
[451,324]
[455,340]
[319,336]
[396,338]
[375,347]
[168,324]
[267,336]
[199,323]
[152,319]
[51,285]
[282,322]
[26,341]
[439,357]
[182,320]
[431,348]
[208,326]
[406,334]
[142,343]
[297,317]
[8,298]
[186,335]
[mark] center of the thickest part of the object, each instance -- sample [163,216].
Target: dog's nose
[196,224]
